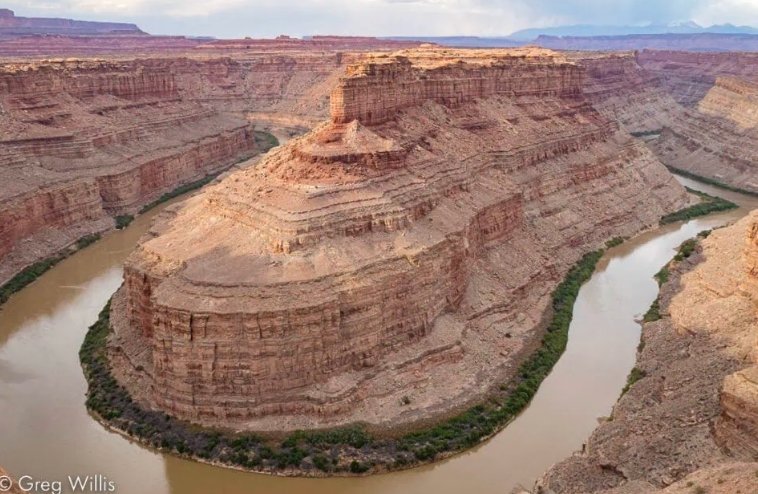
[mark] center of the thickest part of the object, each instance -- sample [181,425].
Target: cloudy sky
[265,18]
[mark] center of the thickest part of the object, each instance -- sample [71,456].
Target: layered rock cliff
[689,76]
[695,110]
[695,411]
[87,140]
[128,130]
[405,248]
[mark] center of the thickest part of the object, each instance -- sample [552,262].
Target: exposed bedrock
[407,247]
[695,411]
[86,140]
[688,76]
[714,135]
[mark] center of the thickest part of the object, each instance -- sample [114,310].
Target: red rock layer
[715,139]
[376,92]
[85,140]
[695,408]
[689,76]
[366,260]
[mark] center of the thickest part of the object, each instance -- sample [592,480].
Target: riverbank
[710,181]
[684,422]
[264,141]
[343,451]
[39,364]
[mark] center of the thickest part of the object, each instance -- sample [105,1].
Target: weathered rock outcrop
[407,247]
[689,76]
[715,138]
[86,140]
[696,407]
[131,129]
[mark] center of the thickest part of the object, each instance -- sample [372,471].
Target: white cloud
[738,12]
[232,18]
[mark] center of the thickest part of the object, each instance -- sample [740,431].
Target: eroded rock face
[406,247]
[689,76]
[87,140]
[694,413]
[695,110]
[128,130]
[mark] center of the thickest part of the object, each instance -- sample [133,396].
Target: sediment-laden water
[45,431]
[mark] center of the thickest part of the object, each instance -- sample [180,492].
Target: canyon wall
[127,130]
[87,140]
[406,247]
[689,76]
[694,110]
[693,416]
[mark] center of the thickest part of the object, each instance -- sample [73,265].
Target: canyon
[397,260]
[690,421]
[90,139]
[693,109]
[393,262]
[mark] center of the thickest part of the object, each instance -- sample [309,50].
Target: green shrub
[264,141]
[87,240]
[653,313]
[710,181]
[708,204]
[663,275]
[322,463]
[31,273]
[123,220]
[635,375]
[615,241]
[685,250]
[182,189]
[358,467]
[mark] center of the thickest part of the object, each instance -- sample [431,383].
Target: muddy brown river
[46,433]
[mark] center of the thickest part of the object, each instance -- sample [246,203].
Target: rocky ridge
[693,109]
[405,248]
[84,141]
[691,418]
[87,139]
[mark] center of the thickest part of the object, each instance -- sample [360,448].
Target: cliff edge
[691,421]
[393,264]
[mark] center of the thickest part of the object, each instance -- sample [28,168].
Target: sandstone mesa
[406,247]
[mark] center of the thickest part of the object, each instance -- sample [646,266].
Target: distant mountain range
[586,30]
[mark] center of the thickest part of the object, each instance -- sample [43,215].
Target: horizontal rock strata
[694,413]
[84,141]
[128,130]
[407,247]
[695,110]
